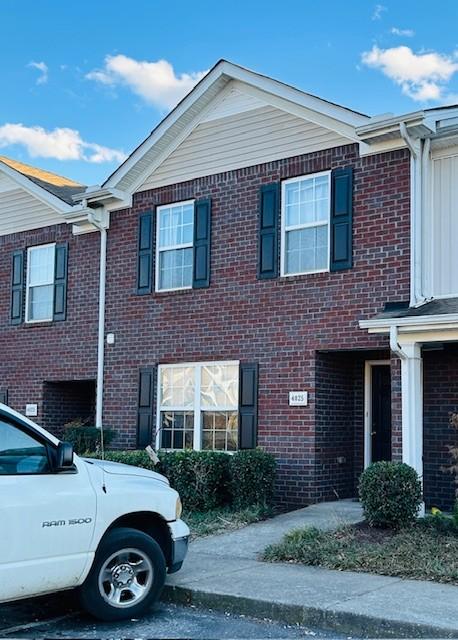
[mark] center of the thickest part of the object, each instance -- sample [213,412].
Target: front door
[380,413]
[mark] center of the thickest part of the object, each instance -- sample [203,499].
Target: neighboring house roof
[184,118]
[434,307]
[59,186]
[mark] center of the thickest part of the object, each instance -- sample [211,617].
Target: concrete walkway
[222,572]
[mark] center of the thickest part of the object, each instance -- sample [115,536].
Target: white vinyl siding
[305,223]
[198,406]
[20,211]
[174,246]
[40,283]
[241,140]
[443,234]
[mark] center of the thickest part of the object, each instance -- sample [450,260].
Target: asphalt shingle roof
[59,186]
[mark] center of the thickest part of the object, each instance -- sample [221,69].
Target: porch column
[412,406]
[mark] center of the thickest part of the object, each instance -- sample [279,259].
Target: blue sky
[82,82]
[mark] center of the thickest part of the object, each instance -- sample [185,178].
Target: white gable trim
[276,93]
[35,190]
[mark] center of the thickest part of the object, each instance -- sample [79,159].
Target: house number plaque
[298,398]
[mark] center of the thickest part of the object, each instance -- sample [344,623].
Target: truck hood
[120,469]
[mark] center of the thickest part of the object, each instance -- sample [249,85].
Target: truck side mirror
[64,456]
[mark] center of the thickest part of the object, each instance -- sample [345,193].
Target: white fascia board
[300,110]
[389,125]
[162,127]
[296,96]
[313,109]
[34,189]
[418,323]
[381,146]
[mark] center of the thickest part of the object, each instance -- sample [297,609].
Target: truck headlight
[178,509]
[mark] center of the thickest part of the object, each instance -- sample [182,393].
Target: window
[40,283]
[305,224]
[198,406]
[20,454]
[175,232]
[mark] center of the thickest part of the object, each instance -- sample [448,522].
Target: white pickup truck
[110,530]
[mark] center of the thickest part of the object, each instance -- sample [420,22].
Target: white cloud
[42,67]
[155,82]
[377,12]
[421,76]
[60,143]
[407,33]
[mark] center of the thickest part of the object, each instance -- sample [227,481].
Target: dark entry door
[381,413]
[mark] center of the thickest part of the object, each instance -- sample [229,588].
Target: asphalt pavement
[58,617]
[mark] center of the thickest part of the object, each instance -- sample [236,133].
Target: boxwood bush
[207,480]
[200,477]
[86,438]
[252,478]
[390,493]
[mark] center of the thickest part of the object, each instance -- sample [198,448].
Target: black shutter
[4,396]
[60,282]
[145,406]
[202,237]
[341,219]
[248,405]
[145,253]
[268,231]
[17,287]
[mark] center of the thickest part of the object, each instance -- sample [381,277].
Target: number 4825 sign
[298,398]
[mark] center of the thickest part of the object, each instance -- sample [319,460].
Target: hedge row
[209,479]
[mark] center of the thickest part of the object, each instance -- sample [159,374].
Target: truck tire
[126,577]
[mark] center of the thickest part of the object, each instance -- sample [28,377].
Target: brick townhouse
[279,273]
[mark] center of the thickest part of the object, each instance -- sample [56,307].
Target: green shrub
[86,438]
[390,493]
[200,477]
[252,478]
[208,480]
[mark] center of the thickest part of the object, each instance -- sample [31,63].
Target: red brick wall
[440,398]
[33,353]
[279,323]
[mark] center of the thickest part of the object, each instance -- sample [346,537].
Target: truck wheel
[126,578]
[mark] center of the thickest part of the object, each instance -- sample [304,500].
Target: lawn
[422,551]
[223,520]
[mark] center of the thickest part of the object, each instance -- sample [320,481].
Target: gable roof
[184,117]
[59,186]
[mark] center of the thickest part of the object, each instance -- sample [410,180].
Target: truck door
[47,518]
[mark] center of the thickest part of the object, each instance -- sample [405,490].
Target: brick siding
[281,323]
[50,351]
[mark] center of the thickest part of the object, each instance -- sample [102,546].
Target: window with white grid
[40,283]
[198,406]
[175,232]
[305,224]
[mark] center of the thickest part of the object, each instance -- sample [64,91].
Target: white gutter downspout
[101,223]
[416,192]
[394,344]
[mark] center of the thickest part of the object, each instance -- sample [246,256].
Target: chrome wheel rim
[125,578]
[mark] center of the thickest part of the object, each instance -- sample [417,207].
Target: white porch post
[412,406]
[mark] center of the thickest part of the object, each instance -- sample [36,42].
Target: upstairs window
[40,283]
[305,224]
[198,406]
[175,233]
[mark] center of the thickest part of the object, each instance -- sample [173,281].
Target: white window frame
[28,320]
[308,225]
[171,247]
[197,408]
